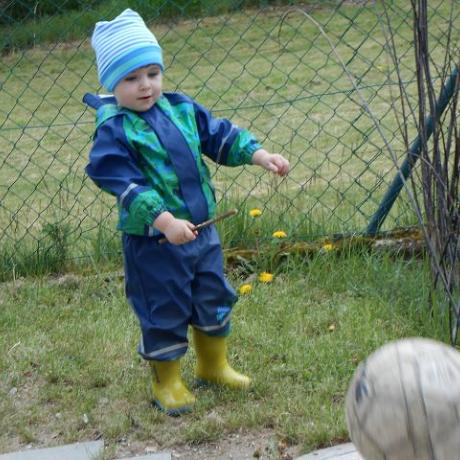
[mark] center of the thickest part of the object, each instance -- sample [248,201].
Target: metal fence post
[414,153]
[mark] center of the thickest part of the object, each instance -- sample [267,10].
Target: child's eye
[132,78]
[153,74]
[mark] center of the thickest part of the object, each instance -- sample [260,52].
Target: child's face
[140,89]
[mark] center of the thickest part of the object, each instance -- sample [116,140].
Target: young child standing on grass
[147,152]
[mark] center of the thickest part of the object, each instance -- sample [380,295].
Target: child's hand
[271,162]
[180,231]
[176,231]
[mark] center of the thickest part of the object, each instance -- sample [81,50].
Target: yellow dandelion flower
[266,277]
[245,289]
[255,212]
[279,234]
[331,328]
[328,247]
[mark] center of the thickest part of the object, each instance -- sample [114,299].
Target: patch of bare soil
[262,445]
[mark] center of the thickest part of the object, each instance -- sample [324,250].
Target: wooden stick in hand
[207,223]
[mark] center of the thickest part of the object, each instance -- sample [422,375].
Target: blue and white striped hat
[123,45]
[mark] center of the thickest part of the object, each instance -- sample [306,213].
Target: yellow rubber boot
[212,365]
[169,391]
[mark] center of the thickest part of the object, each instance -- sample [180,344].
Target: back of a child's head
[123,45]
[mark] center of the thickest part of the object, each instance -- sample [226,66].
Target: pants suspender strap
[183,161]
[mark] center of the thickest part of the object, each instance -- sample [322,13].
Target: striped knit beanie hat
[123,45]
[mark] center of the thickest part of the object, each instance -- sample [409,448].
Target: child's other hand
[176,231]
[271,162]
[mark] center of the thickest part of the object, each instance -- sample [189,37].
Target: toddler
[148,152]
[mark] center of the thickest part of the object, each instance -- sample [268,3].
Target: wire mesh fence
[291,73]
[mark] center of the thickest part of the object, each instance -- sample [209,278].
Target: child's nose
[144,81]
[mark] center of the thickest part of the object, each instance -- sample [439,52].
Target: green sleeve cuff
[243,149]
[146,207]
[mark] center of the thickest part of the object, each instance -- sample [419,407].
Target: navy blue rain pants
[173,286]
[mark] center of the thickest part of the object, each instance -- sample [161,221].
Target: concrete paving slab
[78,451]
[159,456]
[342,452]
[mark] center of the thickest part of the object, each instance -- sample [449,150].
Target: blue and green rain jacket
[152,161]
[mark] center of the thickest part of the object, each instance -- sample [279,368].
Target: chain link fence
[294,73]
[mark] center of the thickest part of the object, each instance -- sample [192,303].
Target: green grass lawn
[69,370]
